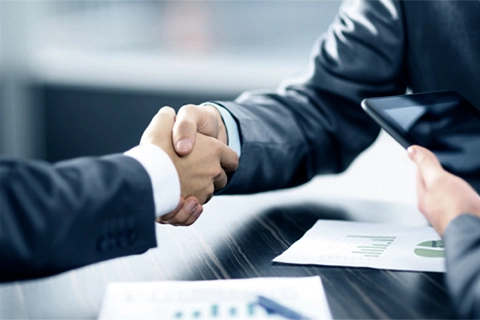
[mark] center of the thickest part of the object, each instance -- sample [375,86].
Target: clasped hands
[196,141]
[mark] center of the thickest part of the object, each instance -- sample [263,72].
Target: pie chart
[430,249]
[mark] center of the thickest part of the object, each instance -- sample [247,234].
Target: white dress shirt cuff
[163,175]
[233,136]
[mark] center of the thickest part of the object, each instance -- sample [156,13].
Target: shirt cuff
[233,137]
[163,175]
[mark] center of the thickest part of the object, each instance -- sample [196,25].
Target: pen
[275,307]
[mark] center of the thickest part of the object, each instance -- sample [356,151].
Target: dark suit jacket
[314,124]
[462,247]
[58,217]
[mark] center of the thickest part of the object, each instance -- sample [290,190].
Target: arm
[314,124]
[462,247]
[445,199]
[59,217]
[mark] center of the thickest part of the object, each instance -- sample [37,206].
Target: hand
[442,196]
[191,119]
[203,170]
[185,214]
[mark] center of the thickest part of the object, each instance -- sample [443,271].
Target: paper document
[379,246]
[213,299]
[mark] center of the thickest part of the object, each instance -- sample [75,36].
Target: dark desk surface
[237,237]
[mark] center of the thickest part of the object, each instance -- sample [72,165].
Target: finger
[188,120]
[161,124]
[421,192]
[170,215]
[195,215]
[220,181]
[427,164]
[413,154]
[182,215]
[228,159]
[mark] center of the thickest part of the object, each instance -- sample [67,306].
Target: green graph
[430,249]
[371,246]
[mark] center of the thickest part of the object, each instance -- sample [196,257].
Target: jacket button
[102,243]
[131,236]
[121,240]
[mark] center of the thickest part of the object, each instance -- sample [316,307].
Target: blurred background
[85,77]
[82,78]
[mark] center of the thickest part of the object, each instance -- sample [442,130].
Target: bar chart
[217,299]
[222,311]
[370,246]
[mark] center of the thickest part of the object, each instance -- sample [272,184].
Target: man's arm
[444,199]
[314,124]
[462,247]
[59,217]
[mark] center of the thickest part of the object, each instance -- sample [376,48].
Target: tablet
[443,122]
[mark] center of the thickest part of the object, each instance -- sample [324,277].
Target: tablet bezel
[375,107]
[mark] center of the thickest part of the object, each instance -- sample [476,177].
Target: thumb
[189,119]
[428,165]
[160,127]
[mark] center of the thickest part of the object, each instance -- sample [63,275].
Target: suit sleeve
[58,217]
[314,124]
[462,247]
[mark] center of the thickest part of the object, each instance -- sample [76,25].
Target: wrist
[163,175]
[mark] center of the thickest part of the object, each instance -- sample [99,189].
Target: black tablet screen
[445,123]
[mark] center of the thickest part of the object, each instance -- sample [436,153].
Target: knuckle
[209,197]
[188,109]
[167,109]
[220,184]
[220,181]
[217,172]
[185,124]
[232,166]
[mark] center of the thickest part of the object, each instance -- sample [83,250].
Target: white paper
[379,246]
[213,299]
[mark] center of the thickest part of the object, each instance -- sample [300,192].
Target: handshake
[195,139]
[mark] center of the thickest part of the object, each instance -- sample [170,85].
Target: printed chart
[358,244]
[430,249]
[220,311]
[370,246]
[215,299]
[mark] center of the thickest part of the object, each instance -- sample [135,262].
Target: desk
[237,237]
